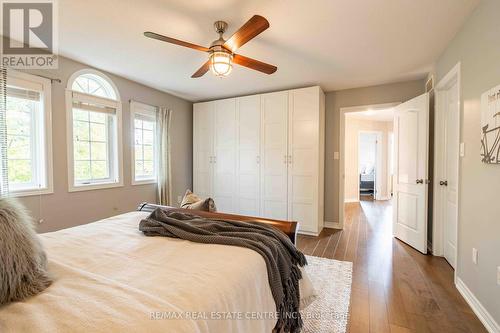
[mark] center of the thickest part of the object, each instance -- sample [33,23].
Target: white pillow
[307,292]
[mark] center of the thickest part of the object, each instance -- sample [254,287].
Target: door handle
[290,159]
[258,159]
[285,159]
[443,183]
[420,181]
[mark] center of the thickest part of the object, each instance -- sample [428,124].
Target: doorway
[367,155]
[369,165]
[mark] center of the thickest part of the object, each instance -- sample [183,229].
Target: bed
[109,277]
[367,182]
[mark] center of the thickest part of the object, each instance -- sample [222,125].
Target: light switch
[462,149]
[336,155]
[474,255]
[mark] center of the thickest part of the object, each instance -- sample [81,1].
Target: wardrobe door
[225,155]
[274,155]
[248,156]
[303,158]
[203,131]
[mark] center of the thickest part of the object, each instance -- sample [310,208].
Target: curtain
[164,188]
[4,179]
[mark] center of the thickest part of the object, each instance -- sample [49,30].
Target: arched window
[94,84]
[94,126]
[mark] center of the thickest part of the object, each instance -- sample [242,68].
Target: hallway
[395,288]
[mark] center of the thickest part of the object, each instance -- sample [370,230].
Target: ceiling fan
[221,51]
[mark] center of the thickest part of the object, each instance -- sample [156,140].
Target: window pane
[99,170]
[148,168]
[139,168]
[82,151]
[137,123]
[18,122]
[97,117]
[138,136]
[138,152]
[149,125]
[80,115]
[18,147]
[98,151]
[97,132]
[94,85]
[148,153]
[81,130]
[82,170]
[148,137]
[20,171]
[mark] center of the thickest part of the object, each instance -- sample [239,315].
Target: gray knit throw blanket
[281,256]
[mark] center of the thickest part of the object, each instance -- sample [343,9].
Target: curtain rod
[52,80]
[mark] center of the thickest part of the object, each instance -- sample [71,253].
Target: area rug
[332,279]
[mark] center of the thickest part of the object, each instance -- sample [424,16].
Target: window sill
[144,182]
[92,187]
[28,193]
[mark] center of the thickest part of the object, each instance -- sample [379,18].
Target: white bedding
[109,277]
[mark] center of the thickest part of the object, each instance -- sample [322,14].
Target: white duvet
[109,277]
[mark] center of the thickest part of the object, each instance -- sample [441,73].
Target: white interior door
[203,132]
[449,183]
[225,155]
[274,159]
[411,136]
[303,124]
[248,156]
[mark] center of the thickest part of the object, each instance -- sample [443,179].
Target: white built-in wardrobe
[263,155]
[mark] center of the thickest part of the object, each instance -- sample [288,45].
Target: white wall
[352,128]
[477,48]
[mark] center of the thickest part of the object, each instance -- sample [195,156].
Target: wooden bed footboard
[288,227]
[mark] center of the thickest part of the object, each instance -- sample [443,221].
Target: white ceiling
[373,115]
[337,44]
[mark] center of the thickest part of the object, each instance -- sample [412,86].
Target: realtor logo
[29,34]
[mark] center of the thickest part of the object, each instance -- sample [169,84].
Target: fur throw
[23,262]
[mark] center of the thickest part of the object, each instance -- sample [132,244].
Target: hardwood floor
[395,288]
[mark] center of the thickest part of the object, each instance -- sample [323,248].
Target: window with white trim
[144,152]
[94,126]
[28,122]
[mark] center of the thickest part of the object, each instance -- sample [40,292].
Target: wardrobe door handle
[420,181]
[290,159]
[443,183]
[258,159]
[285,159]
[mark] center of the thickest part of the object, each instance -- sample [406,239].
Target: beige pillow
[192,201]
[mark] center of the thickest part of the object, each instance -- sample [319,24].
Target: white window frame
[115,104]
[47,169]
[148,111]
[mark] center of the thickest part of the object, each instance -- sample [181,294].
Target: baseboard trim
[308,233]
[484,316]
[384,198]
[332,225]
[351,200]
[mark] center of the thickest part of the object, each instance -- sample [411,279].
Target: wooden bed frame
[288,227]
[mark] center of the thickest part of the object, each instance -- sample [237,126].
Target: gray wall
[63,209]
[387,93]
[477,47]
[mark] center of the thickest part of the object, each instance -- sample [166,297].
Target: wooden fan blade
[249,30]
[254,64]
[175,41]
[203,69]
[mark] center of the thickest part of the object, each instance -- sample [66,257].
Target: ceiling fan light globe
[221,63]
